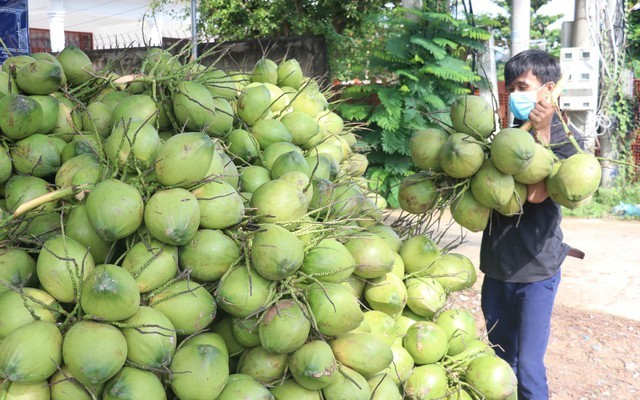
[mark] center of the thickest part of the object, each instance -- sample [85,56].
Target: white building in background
[96,24]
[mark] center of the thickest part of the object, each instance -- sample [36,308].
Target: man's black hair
[541,64]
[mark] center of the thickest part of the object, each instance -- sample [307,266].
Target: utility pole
[194,31]
[520,26]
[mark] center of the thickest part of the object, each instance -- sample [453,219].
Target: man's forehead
[526,79]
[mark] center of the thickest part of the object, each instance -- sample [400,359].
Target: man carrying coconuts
[521,255]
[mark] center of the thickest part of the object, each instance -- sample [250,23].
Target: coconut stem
[49,197]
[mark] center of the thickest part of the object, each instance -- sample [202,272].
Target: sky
[554,7]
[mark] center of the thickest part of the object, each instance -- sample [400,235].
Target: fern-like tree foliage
[428,57]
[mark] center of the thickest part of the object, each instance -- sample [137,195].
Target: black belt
[573,252]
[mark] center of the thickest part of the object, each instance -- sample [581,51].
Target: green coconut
[387,233]
[288,162]
[253,104]
[469,213]
[289,73]
[62,266]
[330,123]
[97,118]
[329,261]
[426,341]
[348,384]
[417,193]
[245,331]
[151,338]
[188,305]
[425,296]
[40,77]
[17,268]
[37,155]
[382,387]
[221,206]
[278,201]
[20,189]
[110,293]
[265,70]
[276,252]
[242,293]
[79,228]
[90,364]
[473,115]
[242,145]
[159,62]
[302,127]
[19,390]
[268,131]
[491,377]
[7,82]
[427,382]
[13,63]
[401,366]
[387,294]
[454,272]
[65,387]
[131,383]
[76,64]
[209,255]
[218,83]
[199,371]
[366,353]
[133,144]
[492,187]
[138,106]
[22,116]
[284,327]
[461,155]
[514,205]
[69,121]
[354,166]
[313,365]
[115,209]
[539,168]
[418,253]
[241,386]
[6,166]
[18,308]
[49,112]
[577,178]
[460,326]
[196,109]
[31,353]
[223,329]
[263,366]
[252,177]
[335,308]
[152,264]
[381,324]
[210,338]
[425,146]
[309,101]
[372,254]
[512,150]
[184,159]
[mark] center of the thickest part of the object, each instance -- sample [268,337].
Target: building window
[40,40]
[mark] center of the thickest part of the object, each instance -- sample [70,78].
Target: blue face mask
[522,103]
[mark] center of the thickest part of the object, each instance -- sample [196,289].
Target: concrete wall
[311,53]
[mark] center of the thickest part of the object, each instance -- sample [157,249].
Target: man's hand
[540,118]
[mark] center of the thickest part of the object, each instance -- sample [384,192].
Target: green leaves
[427,61]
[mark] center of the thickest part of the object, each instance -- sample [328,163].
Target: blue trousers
[518,319]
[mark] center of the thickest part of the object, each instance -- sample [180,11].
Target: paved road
[608,279]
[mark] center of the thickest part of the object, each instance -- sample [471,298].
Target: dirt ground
[594,350]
